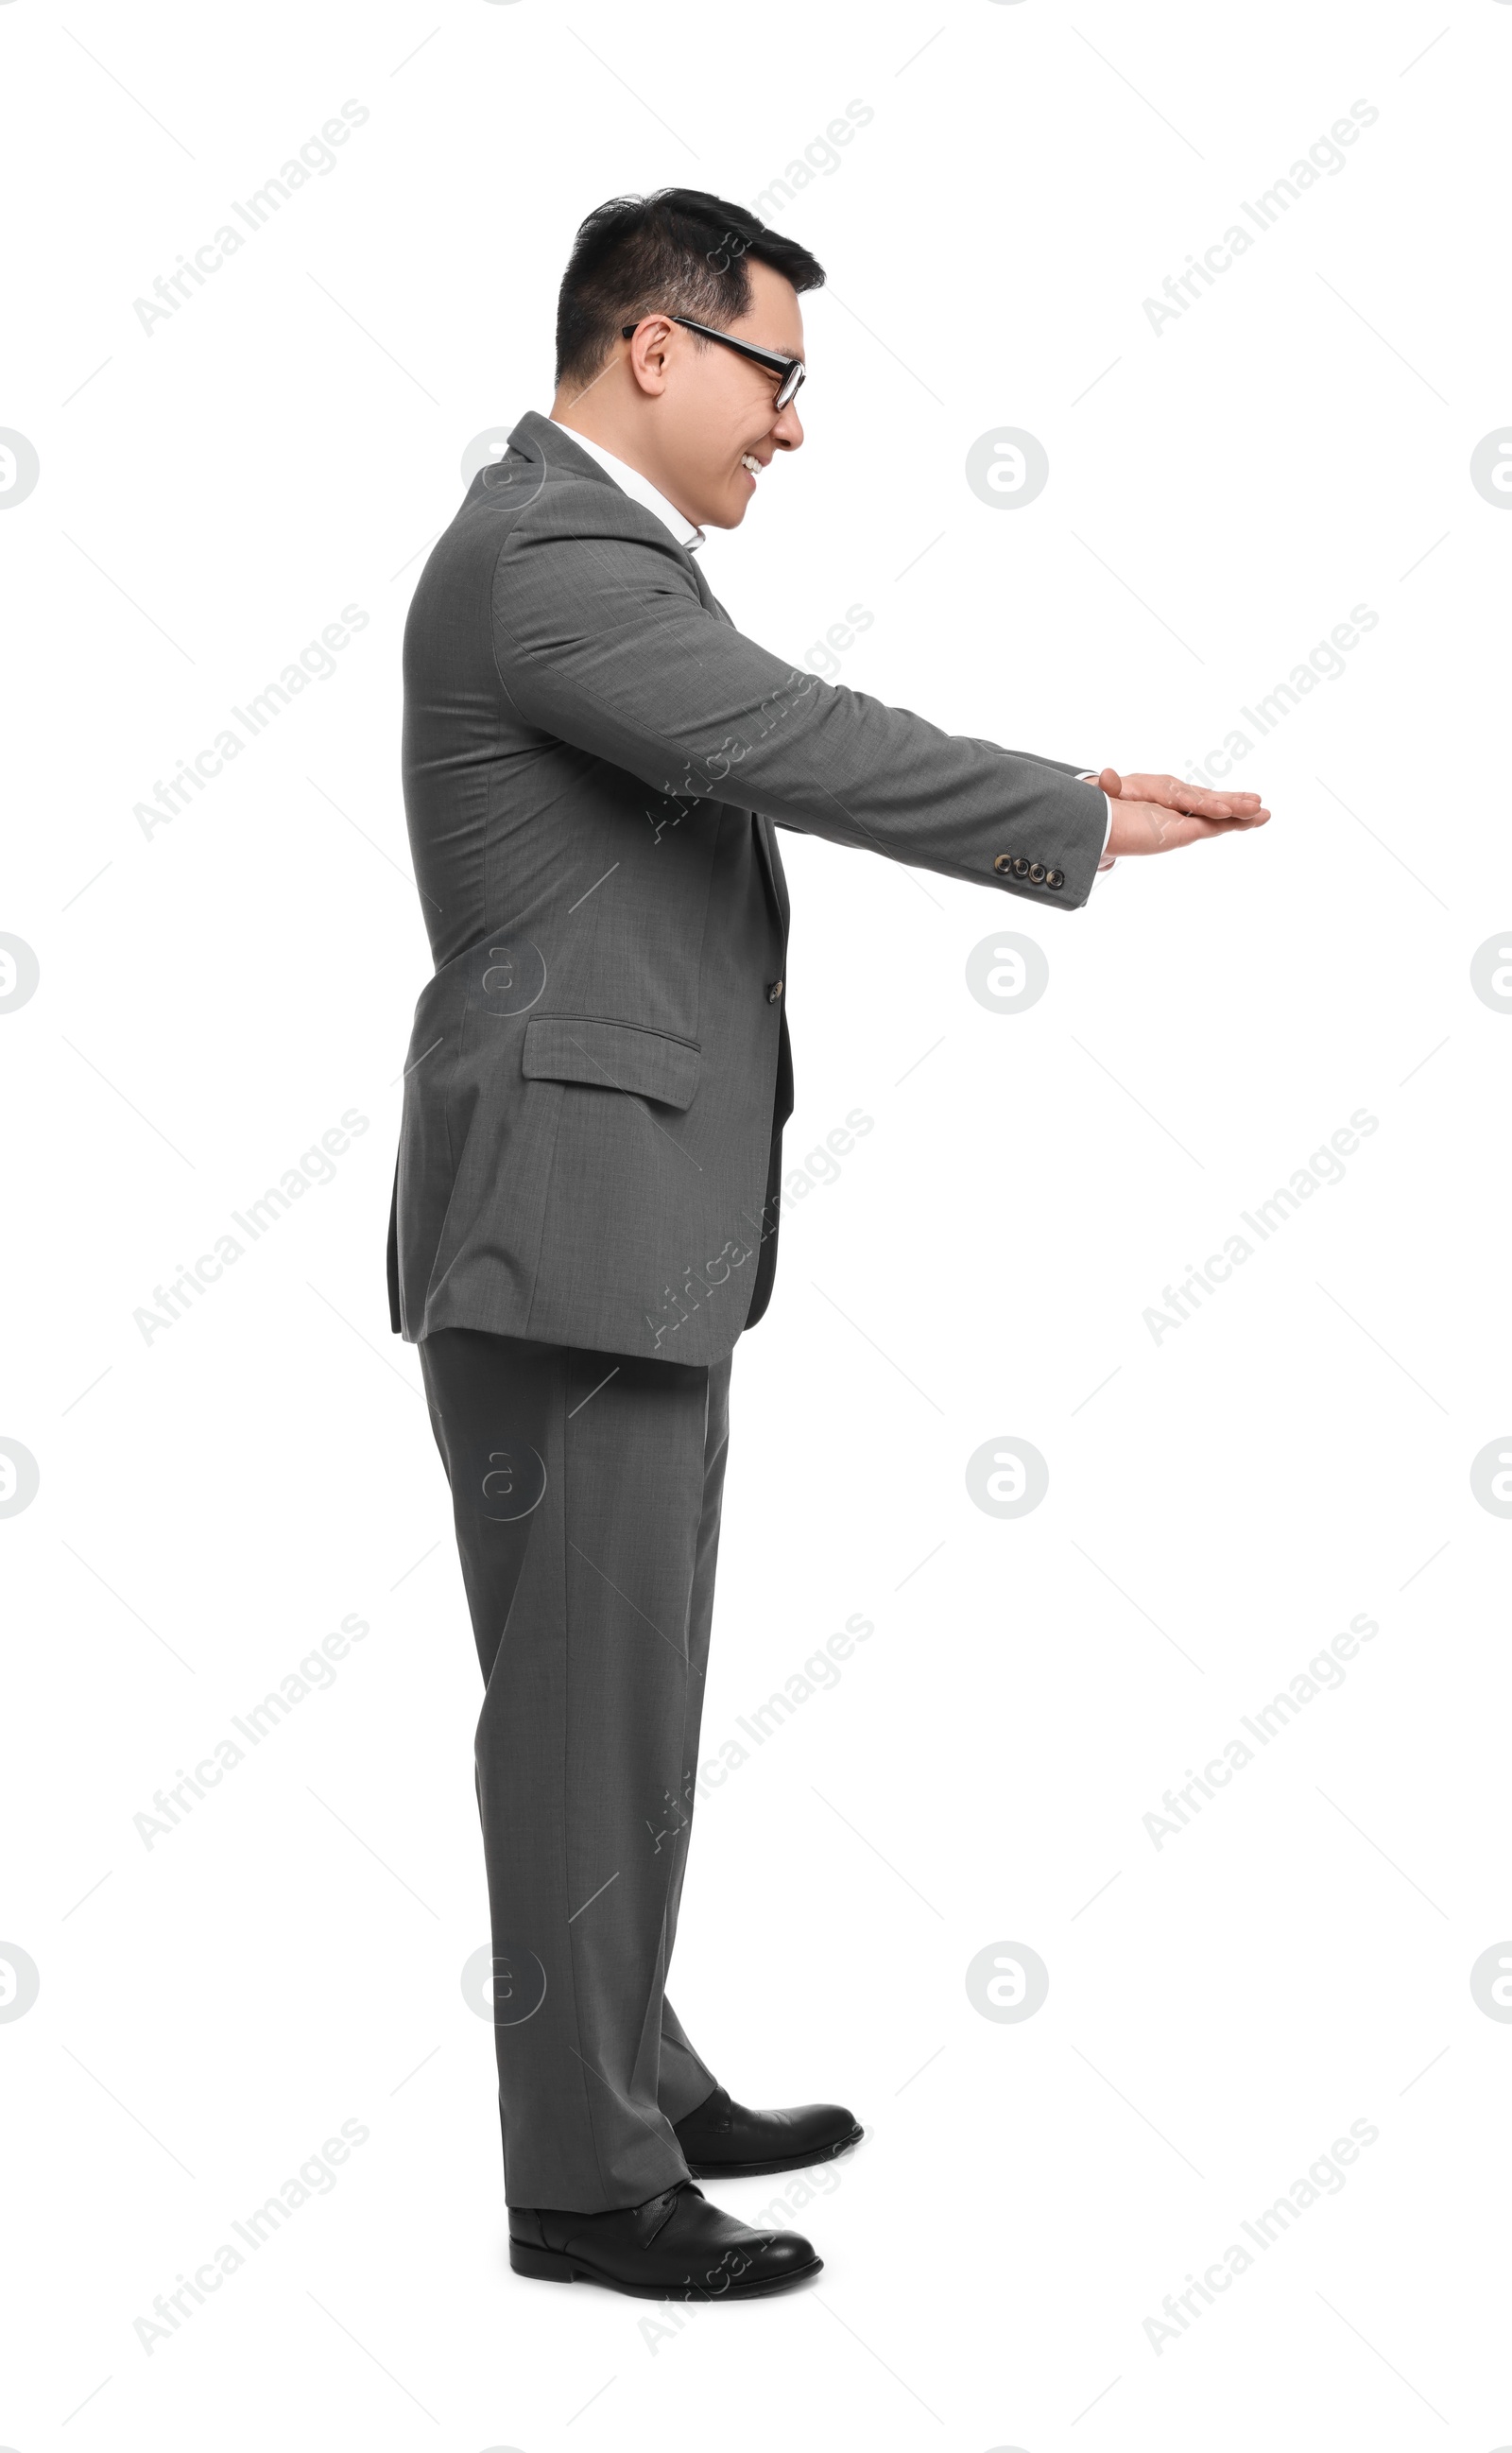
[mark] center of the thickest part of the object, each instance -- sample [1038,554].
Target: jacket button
[1055,877]
[1021,866]
[1004,859]
[774,991]
[1037,873]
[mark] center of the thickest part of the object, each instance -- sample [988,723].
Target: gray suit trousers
[586,1488]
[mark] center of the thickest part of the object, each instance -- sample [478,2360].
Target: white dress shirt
[641,489]
[638,488]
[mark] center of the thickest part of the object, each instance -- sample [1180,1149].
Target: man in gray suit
[586,1197]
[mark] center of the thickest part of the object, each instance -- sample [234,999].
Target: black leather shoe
[723,2141]
[676,2246]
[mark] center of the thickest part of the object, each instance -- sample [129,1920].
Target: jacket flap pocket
[611,1056]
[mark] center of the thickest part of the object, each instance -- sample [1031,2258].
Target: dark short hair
[679,248]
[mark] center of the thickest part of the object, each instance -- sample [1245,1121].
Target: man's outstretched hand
[1161,813]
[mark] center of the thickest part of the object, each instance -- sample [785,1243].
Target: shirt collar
[638,488]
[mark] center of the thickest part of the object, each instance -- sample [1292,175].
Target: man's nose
[787,434]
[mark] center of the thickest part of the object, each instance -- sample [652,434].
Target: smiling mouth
[750,463]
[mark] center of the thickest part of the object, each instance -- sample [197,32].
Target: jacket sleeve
[601,639]
[1057,765]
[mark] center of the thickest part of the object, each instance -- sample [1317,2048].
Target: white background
[1222,1503]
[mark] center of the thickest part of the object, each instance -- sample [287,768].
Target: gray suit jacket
[594,758]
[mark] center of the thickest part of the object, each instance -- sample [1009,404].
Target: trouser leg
[685,2077]
[581,1512]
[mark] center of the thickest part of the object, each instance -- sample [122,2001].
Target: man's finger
[1169,792]
[1222,805]
[1205,824]
[1194,798]
[1228,804]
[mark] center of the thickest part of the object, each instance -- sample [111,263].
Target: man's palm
[1161,813]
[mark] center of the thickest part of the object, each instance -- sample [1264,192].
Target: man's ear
[649,352]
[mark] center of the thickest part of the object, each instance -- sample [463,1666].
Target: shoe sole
[781,2164]
[554,2265]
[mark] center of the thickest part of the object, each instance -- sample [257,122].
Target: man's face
[717,412]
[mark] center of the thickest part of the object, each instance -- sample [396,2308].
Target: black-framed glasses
[789,372]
